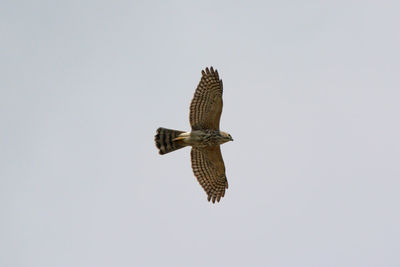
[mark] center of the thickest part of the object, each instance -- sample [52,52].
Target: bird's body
[205,137]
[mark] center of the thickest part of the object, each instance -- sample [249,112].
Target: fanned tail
[164,140]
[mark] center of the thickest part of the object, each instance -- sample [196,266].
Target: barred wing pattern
[209,169]
[206,106]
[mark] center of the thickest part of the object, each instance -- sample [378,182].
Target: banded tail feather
[164,140]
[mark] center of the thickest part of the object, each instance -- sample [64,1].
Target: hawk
[205,136]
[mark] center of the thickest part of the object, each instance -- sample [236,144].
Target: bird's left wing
[209,169]
[206,105]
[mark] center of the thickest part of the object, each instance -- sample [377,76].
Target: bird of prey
[205,136]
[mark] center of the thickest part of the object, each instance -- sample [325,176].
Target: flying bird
[205,137]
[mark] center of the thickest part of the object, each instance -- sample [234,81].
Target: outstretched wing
[209,169]
[206,106]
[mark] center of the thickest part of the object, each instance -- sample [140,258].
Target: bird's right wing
[209,169]
[206,105]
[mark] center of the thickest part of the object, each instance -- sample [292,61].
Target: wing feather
[209,169]
[206,105]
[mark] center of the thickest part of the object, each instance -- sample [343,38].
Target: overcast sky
[311,98]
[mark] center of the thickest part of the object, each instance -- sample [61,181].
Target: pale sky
[311,98]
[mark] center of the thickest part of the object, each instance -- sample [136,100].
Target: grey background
[311,93]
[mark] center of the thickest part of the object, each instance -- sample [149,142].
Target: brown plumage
[208,166]
[205,137]
[206,106]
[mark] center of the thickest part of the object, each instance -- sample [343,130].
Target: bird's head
[226,137]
